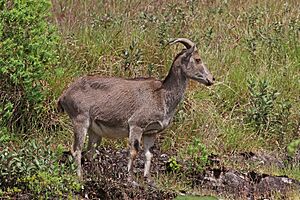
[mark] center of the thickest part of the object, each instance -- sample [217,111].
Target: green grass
[238,40]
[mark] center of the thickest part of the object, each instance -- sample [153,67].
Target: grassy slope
[239,41]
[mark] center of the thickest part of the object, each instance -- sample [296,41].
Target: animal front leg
[135,135]
[148,143]
[80,126]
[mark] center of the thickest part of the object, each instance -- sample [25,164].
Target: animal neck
[174,85]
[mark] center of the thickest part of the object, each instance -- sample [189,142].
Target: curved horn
[186,42]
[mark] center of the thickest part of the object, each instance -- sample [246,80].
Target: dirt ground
[106,177]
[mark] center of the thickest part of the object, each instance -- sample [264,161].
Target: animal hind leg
[148,141]
[135,136]
[93,142]
[80,125]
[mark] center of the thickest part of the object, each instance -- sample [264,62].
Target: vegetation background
[251,47]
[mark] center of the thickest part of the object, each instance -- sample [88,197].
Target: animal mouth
[206,81]
[209,83]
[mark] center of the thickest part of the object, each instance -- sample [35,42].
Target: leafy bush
[173,165]
[36,169]
[265,113]
[51,185]
[262,101]
[132,58]
[198,155]
[27,54]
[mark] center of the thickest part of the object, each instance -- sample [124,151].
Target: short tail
[59,106]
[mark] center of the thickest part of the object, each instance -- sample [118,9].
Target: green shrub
[51,185]
[132,58]
[28,45]
[262,102]
[173,165]
[266,114]
[36,169]
[198,156]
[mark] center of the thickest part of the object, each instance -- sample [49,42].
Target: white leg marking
[148,143]
[80,130]
[135,135]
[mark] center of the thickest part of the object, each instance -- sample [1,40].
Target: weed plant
[35,169]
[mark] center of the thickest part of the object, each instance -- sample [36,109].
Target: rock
[234,180]
[261,158]
[249,185]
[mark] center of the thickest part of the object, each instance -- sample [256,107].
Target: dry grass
[239,41]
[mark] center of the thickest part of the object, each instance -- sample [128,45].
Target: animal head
[192,64]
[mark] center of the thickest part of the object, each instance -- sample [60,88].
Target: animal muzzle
[210,80]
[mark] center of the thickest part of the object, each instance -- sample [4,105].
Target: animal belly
[110,132]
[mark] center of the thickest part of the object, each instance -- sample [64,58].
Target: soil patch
[106,178]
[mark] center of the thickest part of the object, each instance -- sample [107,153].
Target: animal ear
[189,52]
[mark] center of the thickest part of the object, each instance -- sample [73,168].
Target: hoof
[88,155]
[150,182]
[133,183]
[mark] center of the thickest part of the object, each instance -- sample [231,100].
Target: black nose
[209,82]
[214,79]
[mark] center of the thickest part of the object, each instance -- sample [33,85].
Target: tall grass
[251,47]
[239,41]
